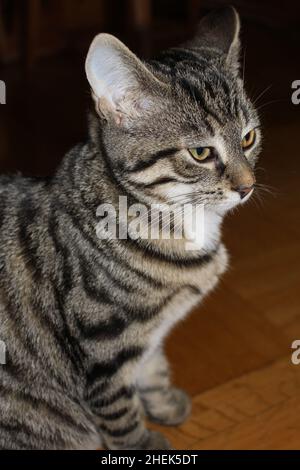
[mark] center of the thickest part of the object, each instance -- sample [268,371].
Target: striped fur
[84,319]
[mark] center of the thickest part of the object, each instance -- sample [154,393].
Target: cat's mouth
[241,195]
[232,201]
[247,196]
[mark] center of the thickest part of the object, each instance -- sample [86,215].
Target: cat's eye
[249,139]
[201,153]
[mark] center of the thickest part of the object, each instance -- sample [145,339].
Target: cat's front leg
[162,403]
[120,416]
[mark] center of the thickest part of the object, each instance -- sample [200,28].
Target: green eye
[201,153]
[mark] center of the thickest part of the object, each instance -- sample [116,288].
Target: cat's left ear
[122,87]
[220,30]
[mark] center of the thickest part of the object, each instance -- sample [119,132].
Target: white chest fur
[212,229]
[203,229]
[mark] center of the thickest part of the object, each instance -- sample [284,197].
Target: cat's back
[17,194]
[23,216]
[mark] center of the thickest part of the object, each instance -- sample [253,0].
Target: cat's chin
[231,202]
[246,198]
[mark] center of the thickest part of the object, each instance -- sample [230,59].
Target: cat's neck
[94,184]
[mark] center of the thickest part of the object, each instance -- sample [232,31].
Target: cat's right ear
[220,30]
[119,81]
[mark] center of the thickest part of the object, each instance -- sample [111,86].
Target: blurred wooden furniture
[31,12]
[2,37]
[19,29]
[40,28]
[33,28]
[141,13]
[139,21]
[8,31]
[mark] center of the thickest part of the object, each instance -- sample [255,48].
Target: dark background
[234,353]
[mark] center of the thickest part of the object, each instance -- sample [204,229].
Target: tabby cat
[84,318]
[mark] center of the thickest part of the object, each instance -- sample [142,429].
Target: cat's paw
[150,440]
[171,409]
[155,441]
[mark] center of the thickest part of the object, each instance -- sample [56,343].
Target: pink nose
[243,190]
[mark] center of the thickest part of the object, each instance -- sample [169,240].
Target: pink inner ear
[119,80]
[105,108]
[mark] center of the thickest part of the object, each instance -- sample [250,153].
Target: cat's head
[179,128]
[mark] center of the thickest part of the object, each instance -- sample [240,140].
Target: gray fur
[84,319]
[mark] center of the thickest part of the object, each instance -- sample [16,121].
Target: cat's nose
[244,190]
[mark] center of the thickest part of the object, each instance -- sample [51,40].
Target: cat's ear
[220,30]
[119,81]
